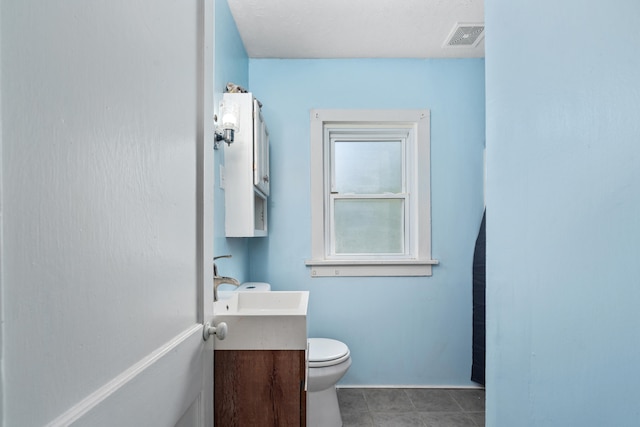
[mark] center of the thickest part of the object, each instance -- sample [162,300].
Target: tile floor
[419,407]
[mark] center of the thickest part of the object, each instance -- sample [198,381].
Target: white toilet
[329,360]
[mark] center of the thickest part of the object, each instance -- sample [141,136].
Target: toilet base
[323,409]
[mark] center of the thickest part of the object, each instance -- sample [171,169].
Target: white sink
[266,303]
[225,290]
[263,320]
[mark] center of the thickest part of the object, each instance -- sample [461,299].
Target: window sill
[332,268]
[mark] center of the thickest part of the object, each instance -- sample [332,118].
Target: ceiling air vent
[465,35]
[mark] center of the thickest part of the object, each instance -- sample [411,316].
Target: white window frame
[415,126]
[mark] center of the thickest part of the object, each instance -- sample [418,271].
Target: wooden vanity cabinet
[259,388]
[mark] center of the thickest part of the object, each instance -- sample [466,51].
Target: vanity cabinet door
[259,388]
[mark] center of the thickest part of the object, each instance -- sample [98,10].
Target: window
[370,193]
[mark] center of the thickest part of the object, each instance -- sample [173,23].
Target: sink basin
[267,303]
[263,320]
[225,290]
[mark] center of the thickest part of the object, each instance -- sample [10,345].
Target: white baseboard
[439,386]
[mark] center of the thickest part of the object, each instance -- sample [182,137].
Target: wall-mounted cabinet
[246,171]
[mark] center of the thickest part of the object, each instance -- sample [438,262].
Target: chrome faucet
[219,280]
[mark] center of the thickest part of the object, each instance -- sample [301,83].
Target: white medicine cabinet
[246,179]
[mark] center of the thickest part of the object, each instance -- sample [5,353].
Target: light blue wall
[401,331]
[563,224]
[231,65]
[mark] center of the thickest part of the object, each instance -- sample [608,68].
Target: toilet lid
[326,352]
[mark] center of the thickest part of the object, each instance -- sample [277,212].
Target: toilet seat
[326,352]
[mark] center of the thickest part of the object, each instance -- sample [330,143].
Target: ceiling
[356,28]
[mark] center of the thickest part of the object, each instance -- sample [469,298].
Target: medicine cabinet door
[260,151]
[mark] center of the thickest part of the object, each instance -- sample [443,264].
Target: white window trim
[336,132]
[321,263]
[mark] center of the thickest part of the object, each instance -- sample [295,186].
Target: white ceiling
[354,28]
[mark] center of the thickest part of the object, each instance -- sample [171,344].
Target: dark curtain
[479,287]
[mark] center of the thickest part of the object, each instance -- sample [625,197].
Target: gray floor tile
[477,417]
[469,400]
[433,400]
[387,400]
[351,400]
[357,419]
[389,407]
[447,419]
[397,419]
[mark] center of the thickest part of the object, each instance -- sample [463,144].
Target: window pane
[369,226]
[368,167]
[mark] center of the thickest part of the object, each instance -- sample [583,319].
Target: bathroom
[561,131]
[401,331]
[417,331]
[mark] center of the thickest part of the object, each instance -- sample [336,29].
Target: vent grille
[465,35]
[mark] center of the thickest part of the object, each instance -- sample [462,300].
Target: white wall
[563,213]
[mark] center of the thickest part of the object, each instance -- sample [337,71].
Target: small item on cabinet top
[234,88]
